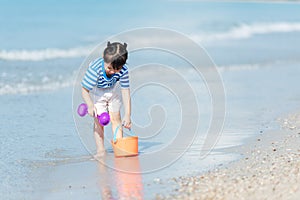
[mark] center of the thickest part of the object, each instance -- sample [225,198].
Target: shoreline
[269,169]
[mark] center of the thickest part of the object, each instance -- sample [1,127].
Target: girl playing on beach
[105,81]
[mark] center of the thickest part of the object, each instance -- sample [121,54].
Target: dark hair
[116,54]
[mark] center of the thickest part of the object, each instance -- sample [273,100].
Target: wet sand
[269,169]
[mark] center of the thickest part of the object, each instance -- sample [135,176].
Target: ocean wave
[245,31]
[258,65]
[44,54]
[242,31]
[29,88]
[241,67]
[47,83]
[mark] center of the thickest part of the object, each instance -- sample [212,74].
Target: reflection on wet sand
[125,179]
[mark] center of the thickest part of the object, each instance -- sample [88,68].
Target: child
[101,91]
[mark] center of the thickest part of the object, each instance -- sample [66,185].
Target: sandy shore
[269,169]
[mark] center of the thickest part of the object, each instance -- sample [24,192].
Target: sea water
[255,47]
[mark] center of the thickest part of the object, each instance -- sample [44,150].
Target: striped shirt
[96,76]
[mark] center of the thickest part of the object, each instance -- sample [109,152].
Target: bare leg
[115,119]
[99,138]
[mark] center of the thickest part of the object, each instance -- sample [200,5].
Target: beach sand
[269,169]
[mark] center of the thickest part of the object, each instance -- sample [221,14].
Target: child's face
[110,70]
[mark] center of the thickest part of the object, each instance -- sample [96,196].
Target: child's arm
[86,97]
[127,105]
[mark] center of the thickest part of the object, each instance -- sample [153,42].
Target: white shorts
[107,99]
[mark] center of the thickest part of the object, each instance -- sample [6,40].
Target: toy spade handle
[116,131]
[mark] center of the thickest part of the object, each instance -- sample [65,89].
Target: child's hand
[127,122]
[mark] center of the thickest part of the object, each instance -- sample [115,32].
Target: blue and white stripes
[96,76]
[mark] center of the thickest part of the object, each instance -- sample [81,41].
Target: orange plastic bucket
[126,146]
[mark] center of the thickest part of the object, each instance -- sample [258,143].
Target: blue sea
[45,46]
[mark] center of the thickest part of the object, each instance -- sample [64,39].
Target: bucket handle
[116,131]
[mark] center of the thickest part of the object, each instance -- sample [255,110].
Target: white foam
[29,88]
[242,67]
[44,54]
[242,31]
[245,31]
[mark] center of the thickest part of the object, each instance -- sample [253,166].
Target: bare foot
[99,155]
